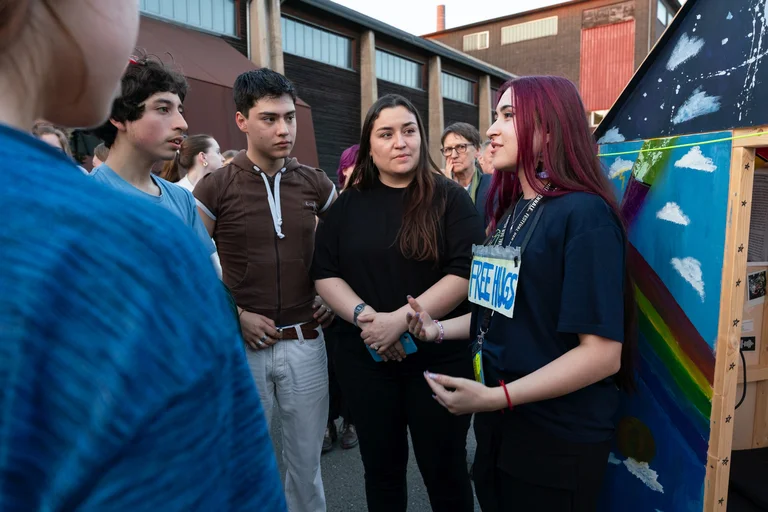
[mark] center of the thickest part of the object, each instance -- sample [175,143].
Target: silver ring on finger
[261,344]
[263,339]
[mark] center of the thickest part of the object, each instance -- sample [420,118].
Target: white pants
[294,374]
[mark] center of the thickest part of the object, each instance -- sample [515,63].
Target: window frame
[661,4]
[472,88]
[321,33]
[380,65]
[237,33]
[479,47]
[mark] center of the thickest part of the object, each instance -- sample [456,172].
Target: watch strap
[358,309]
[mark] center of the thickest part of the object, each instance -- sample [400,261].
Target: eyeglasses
[460,149]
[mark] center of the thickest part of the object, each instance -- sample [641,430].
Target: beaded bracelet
[442,332]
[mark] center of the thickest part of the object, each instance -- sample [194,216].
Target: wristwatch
[358,309]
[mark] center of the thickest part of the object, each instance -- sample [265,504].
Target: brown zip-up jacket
[266,273]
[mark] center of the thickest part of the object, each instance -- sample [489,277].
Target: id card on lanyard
[494,276]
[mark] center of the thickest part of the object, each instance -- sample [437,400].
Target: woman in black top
[400,229]
[553,324]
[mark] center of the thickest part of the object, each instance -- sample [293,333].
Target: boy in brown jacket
[261,210]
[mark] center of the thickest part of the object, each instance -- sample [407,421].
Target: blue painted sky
[702,198]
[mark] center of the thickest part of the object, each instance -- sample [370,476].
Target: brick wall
[554,55]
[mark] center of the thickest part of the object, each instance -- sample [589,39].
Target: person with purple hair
[347,165]
[337,406]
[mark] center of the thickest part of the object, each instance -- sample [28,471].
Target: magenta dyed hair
[552,105]
[348,158]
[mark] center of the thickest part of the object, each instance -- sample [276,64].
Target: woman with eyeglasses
[460,147]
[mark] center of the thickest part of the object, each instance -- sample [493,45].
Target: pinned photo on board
[756,290]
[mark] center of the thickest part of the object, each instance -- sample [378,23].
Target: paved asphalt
[343,476]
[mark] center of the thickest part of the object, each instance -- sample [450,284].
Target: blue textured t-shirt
[123,382]
[172,197]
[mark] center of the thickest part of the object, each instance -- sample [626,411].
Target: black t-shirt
[571,282]
[357,242]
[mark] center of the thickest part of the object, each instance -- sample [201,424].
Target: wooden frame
[731,308]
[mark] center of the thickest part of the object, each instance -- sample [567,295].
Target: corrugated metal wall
[607,63]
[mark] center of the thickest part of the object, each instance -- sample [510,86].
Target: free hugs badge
[494,276]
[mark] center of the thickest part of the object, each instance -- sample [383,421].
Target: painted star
[725,461]
[728,419]
[738,282]
[743,203]
[746,167]
[741,248]
[736,322]
[721,501]
[733,365]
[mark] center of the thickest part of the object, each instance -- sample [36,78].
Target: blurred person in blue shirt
[123,384]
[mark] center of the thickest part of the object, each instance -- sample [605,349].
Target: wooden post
[368,85]
[260,33]
[484,101]
[436,119]
[275,38]
[729,330]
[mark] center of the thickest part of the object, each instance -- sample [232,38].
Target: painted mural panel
[673,192]
[703,76]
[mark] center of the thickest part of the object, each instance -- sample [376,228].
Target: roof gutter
[401,35]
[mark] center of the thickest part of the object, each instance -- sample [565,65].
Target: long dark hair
[185,156]
[418,236]
[552,105]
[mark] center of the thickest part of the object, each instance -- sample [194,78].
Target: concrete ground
[344,482]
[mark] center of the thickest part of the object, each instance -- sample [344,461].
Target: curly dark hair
[251,86]
[144,77]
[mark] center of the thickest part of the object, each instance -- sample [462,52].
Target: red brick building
[598,44]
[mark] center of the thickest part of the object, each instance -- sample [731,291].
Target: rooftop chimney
[440,18]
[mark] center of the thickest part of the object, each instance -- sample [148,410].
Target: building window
[217,16]
[312,43]
[662,13]
[529,30]
[457,88]
[398,70]
[596,117]
[476,41]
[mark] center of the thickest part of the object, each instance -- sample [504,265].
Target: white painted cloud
[724,41]
[642,471]
[673,213]
[695,159]
[612,135]
[619,167]
[690,270]
[685,49]
[698,104]
[613,460]
[730,16]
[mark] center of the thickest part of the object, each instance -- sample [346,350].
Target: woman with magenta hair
[347,165]
[552,310]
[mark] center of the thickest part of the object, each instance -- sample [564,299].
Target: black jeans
[389,398]
[337,406]
[519,466]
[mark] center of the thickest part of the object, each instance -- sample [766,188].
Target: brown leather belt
[308,331]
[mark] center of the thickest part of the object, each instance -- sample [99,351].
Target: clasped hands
[260,332]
